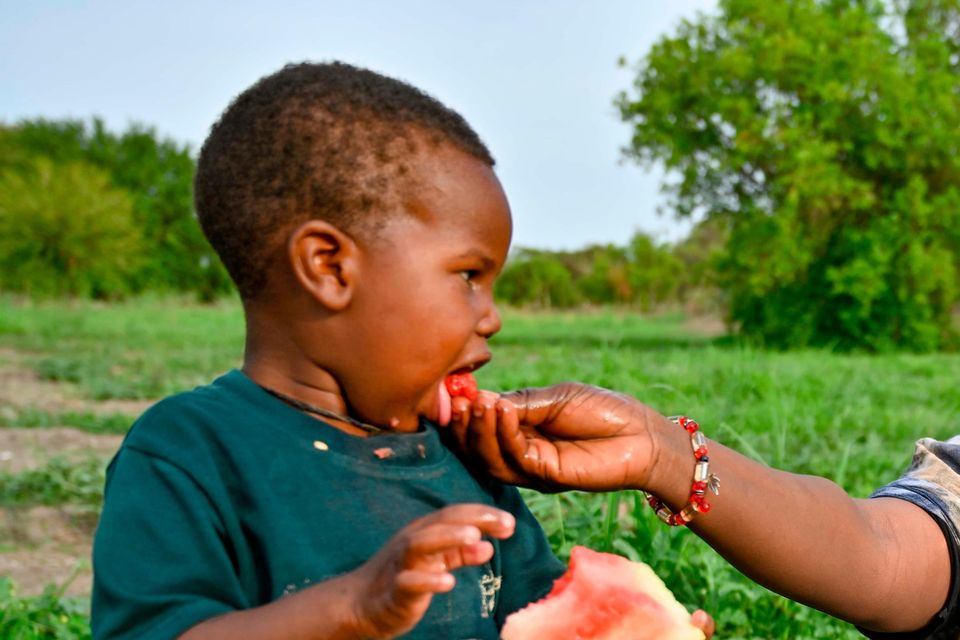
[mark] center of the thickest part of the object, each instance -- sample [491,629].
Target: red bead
[701,452]
[703,506]
[700,485]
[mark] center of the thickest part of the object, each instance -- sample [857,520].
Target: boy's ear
[324,260]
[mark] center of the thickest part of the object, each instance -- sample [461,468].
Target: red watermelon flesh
[603,596]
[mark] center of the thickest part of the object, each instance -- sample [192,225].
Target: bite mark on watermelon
[462,384]
[603,596]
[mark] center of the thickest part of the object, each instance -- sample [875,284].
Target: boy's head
[373,215]
[325,141]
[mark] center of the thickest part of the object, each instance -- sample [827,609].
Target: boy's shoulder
[191,417]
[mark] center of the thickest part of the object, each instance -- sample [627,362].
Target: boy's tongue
[443,405]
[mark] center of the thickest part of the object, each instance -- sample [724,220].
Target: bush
[64,230]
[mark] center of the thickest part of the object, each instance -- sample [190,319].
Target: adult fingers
[526,454]
[459,421]
[540,405]
[576,411]
[482,441]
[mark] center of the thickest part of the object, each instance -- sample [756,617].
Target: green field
[79,372]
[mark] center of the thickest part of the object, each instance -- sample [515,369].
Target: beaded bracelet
[702,479]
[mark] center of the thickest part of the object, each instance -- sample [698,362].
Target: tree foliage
[824,138]
[151,176]
[65,230]
[644,274]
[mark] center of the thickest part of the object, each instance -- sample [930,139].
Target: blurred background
[746,211]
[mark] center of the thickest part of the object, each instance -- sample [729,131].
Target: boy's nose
[490,323]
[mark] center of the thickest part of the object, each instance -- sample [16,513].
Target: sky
[535,78]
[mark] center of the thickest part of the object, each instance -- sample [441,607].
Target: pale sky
[535,78]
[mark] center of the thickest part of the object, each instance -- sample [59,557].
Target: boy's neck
[275,360]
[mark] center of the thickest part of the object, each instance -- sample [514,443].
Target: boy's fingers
[702,620]
[415,582]
[446,547]
[489,520]
[438,538]
[469,555]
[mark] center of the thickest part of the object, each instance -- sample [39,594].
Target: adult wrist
[672,465]
[703,480]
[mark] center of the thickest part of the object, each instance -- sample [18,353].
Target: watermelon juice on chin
[603,596]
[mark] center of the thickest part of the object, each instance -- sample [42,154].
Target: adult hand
[567,436]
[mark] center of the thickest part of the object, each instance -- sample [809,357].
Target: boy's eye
[469,275]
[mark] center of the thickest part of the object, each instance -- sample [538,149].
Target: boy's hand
[703,621]
[568,436]
[394,588]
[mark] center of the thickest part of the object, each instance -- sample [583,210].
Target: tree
[606,279]
[536,278]
[158,176]
[826,137]
[655,272]
[65,230]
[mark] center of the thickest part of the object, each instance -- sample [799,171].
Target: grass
[58,482]
[49,615]
[852,418]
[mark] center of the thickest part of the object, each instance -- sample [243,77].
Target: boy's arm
[385,597]
[323,611]
[801,536]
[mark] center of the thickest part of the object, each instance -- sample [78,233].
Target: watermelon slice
[603,596]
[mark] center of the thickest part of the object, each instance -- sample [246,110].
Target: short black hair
[323,141]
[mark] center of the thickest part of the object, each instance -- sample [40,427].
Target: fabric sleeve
[160,561]
[932,482]
[529,565]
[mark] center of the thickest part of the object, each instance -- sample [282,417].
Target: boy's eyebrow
[488,262]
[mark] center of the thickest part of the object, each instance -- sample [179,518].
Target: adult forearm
[804,537]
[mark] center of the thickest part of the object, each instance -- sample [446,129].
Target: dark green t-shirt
[225,498]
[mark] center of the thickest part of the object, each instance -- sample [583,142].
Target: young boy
[308,495]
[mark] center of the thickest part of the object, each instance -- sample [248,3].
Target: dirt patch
[21,387]
[31,571]
[23,449]
[705,325]
[47,545]
[61,527]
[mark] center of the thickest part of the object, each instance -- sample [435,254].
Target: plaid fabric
[932,482]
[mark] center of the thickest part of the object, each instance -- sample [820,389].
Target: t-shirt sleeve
[529,565]
[932,482]
[160,562]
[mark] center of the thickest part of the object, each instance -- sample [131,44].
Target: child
[309,495]
[889,564]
